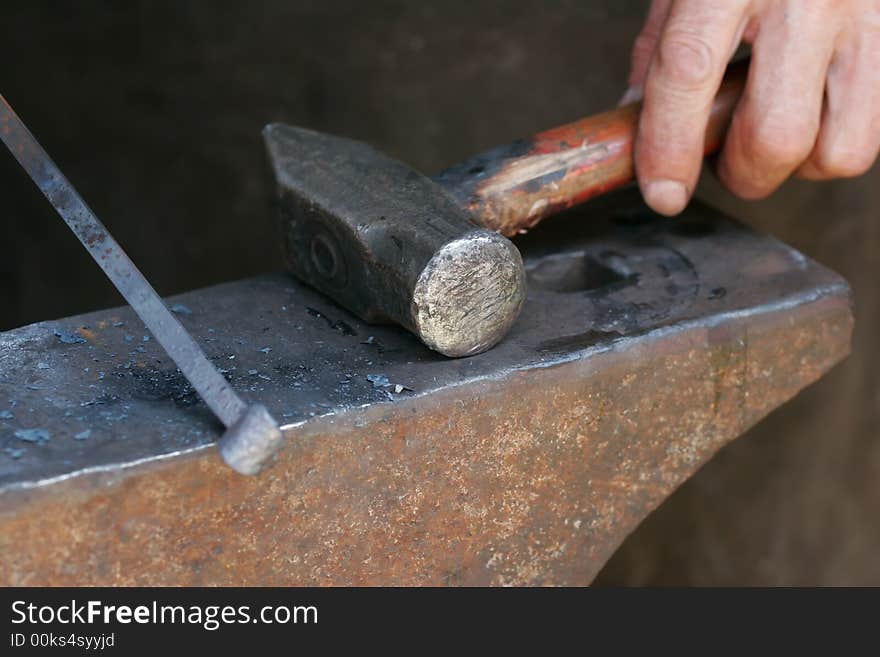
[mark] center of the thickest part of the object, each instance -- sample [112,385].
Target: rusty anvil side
[528,464]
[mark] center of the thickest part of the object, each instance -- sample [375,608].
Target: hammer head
[390,245]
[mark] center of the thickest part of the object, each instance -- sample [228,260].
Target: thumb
[643,49]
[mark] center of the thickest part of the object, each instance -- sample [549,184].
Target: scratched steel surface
[95,390]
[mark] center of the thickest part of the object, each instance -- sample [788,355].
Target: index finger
[697,41]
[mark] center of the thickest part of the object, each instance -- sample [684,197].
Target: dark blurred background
[154,110]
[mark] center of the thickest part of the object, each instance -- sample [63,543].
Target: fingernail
[632,95]
[667,197]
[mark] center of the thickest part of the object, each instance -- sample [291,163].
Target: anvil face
[645,345]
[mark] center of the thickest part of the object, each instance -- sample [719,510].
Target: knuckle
[738,177]
[773,143]
[686,59]
[844,163]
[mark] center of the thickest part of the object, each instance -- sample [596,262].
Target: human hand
[811,106]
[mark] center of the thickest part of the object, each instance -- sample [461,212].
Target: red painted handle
[513,187]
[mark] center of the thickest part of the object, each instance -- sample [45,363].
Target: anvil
[644,346]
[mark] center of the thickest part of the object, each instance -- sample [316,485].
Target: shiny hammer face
[389,244]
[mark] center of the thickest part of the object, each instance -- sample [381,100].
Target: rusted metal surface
[513,187]
[528,464]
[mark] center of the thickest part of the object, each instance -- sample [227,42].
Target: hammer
[393,245]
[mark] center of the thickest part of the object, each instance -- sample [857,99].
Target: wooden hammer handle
[511,188]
